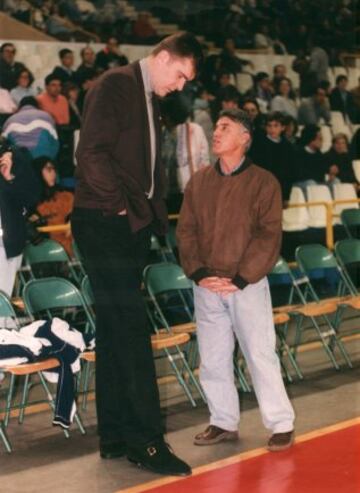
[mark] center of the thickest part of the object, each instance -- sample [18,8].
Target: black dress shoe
[112,450]
[158,457]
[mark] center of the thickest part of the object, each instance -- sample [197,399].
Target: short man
[341,99]
[229,236]
[53,102]
[314,108]
[65,71]
[9,68]
[118,204]
[87,55]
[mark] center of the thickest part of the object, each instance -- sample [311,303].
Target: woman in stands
[284,101]
[23,86]
[55,205]
[338,159]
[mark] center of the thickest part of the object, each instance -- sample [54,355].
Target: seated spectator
[7,104]
[87,55]
[110,56]
[228,98]
[274,153]
[19,190]
[310,163]
[319,63]
[308,80]
[32,129]
[23,86]
[279,72]
[71,92]
[86,80]
[53,102]
[65,72]
[252,108]
[312,109]
[284,100]
[262,91]
[184,148]
[229,61]
[341,99]
[143,30]
[55,205]
[291,129]
[338,161]
[356,97]
[9,68]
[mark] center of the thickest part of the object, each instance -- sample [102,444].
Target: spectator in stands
[184,148]
[71,91]
[52,101]
[55,205]
[341,99]
[284,100]
[319,63]
[9,68]
[86,80]
[279,72]
[229,236]
[87,55]
[338,160]
[110,56]
[229,61]
[65,72]
[143,31]
[252,108]
[228,98]
[262,91]
[310,162]
[313,109]
[7,104]
[32,129]
[275,153]
[308,79]
[291,129]
[23,86]
[356,98]
[19,190]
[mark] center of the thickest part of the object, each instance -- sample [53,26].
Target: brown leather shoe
[280,441]
[213,434]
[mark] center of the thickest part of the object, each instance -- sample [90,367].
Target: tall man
[229,236]
[118,204]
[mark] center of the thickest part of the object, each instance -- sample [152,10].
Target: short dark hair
[261,76]
[238,116]
[252,101]
[275,116]
[49,78]
[65,51]
[182,44]
[28,101]
[308,134]
[229,93]
[5,45]
[340,78]
[175,108]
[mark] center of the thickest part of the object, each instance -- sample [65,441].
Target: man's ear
[163,57]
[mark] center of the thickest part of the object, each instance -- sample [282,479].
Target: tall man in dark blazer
[118,204]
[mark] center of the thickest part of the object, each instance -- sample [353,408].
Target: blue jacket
[16,197]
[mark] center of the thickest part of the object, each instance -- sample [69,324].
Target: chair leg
[24,399]
[331,332]
[192,376]
[86,385]
[284,347]
[179,376]
[50,397]
[9,400]
[5,439]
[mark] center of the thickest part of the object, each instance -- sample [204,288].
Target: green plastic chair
[77,260]
[316,257]
[348,252]
[48,252]
[350,219]
[163,279]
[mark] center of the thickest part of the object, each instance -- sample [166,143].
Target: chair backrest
[295,218]
[165,276]
[87,291]
[327,138]
[350,219]
[310,257]
[244,82]
[317,213]
[348,255]
[46,251]
[344,191]
[51,293]
[339,125]
[356,168]
[7,311]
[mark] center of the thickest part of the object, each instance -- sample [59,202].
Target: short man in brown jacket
[229,237]
[118,205]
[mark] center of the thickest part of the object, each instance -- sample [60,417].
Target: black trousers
[127,396]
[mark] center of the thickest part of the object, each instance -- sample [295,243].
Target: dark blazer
[337,103]
[64,76]
[114,163]
[16,197]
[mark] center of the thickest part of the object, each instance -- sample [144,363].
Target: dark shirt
[65,75]
[343,162]
[105,60]
[310,166]
[9,74]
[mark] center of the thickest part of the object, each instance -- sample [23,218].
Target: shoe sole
[221,438]
[140,465]
[279,448]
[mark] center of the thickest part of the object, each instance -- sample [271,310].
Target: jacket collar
[239,170]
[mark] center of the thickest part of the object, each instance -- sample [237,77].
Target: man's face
[343,84]
[172,74]
[316,144]
[280,71]
[265,84]
[340,145]
[113,45]
[229,137]
[68,60]
[88,56]
[54,88]
[251,110]
[229,105]
[274,129]
[320,96]
[8,54]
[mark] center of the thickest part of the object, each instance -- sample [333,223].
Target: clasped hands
[219,285]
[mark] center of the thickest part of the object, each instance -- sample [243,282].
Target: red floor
[329,463]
